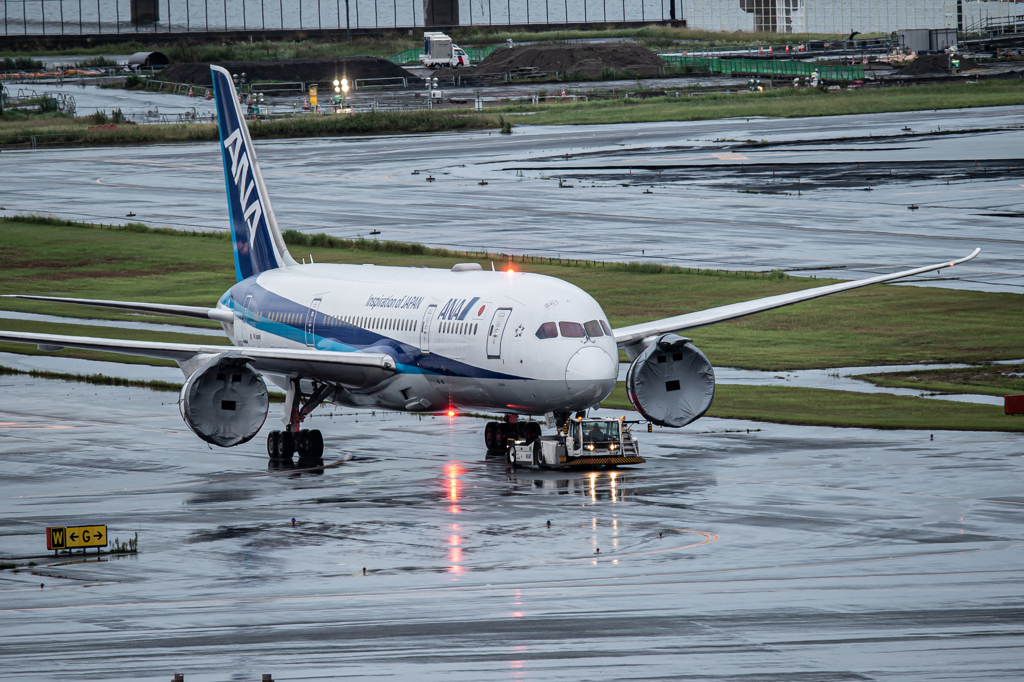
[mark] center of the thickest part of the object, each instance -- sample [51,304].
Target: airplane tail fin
[257,240]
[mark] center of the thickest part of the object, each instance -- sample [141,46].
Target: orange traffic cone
[770,50]
[762,50]
[190,93]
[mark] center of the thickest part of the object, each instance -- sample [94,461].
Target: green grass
[195,50]
[879,325]
[65,130]
[781,102]
[95,379]
[653,35]
[984,380]
[823,407]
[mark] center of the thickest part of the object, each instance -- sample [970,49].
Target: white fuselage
[468,339]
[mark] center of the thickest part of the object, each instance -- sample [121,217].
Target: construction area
[503,75]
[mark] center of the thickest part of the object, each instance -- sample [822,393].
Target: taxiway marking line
[100,181]
[182,483]
[610,581]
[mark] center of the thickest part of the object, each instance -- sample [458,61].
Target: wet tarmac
[787,553]
[799,201]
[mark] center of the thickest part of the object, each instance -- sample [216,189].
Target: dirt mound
[286,70]
[935,63]
[592,59]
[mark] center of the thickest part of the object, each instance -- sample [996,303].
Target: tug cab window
[571,330]
[601,432]
[548,330]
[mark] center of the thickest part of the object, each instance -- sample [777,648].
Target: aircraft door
[311,322]
[242,331]
[494,332]
[428,317]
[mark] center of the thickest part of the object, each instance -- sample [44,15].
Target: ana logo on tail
[251,213]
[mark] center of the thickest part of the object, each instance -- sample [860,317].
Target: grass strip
[95,379]
[825,407]
[879,325]
[781,102]
[195,50]
[60,129]
[1000,380]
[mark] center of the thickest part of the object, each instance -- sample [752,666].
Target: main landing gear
[308,443]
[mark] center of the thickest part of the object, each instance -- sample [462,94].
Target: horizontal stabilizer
[154,308]
[356,370]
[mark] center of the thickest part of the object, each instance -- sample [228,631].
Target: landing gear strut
[309,443]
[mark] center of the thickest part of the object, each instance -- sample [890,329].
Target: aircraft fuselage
[467,339]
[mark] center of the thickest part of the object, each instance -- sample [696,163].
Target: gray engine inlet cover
[224,402]
[671,383]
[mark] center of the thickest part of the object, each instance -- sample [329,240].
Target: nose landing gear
[498,434]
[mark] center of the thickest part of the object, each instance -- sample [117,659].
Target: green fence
[768,67]
[476,55]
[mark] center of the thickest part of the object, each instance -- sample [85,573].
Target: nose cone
[590,375]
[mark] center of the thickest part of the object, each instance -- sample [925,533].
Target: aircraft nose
[591,373]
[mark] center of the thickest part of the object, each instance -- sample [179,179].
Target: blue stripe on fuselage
[345,339]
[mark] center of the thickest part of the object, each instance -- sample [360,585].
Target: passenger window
[571,330]
[548,330]
[606,328]
[593,329]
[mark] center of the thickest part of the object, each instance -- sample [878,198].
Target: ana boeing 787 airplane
[409,339]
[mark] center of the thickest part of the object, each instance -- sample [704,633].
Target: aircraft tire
[287,444]
[490,435]
[533,431]
[274,444]
[314,444]
[302,444]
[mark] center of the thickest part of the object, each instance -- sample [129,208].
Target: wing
[351,369]
[155,308]
[637,332]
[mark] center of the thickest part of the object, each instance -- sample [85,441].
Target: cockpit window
[571,330]
[593,329]
[606,328]
[548,330]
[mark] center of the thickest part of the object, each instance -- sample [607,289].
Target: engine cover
[224,402]
[671,383]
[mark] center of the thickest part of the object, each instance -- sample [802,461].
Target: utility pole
[348,27]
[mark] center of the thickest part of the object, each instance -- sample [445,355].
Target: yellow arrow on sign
[74,537]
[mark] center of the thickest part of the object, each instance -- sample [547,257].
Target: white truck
[585,442]
[440,52]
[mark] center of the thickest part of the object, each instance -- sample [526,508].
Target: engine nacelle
[671,383]
[224,402]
